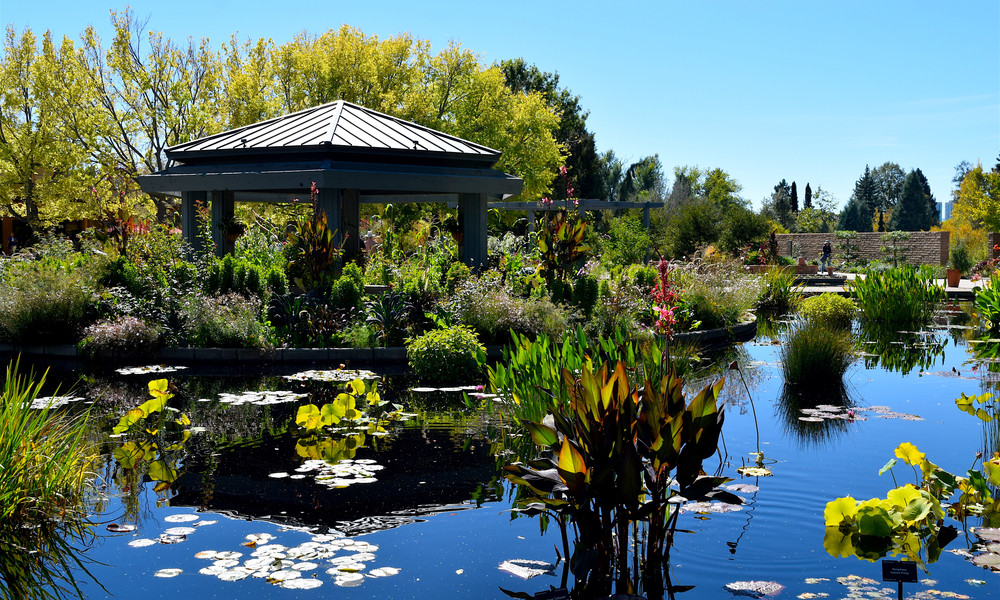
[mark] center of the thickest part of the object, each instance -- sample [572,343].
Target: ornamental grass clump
[124,334]
[449,355]
[780,294]
[46,472]
[900,298]
[228,321]
[816,355]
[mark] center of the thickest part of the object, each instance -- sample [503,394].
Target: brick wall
[994,240]
[925,247]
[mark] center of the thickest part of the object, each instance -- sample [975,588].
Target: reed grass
[816,355]
[45,472]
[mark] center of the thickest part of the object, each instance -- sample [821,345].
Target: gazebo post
[329,201]
[223,207]
[350,215]
[472,215]
[189,217]
[531,221]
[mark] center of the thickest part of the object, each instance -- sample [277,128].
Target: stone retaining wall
[925,247]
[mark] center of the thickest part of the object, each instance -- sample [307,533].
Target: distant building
[947,206]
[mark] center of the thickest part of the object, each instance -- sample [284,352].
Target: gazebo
[352,154]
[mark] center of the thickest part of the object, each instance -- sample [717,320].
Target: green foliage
[909,519]
[960,258]
[891,248]
[627,241]
[348,290]
[831,309]
[847,246]
[458,273]
[911,212]
[123,334]
[307,321]
[313,256]
[611,461]
[387,315]
[900,298]
[449,355]
[360,406]
[48,469]
[696,223]
[988,302]
[744,227]
[240,276]
[719,295]
[585,293]
[816,355]
[780,294]
[228,321]
[45,303]
[560,243]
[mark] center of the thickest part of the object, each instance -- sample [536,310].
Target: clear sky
[805,91]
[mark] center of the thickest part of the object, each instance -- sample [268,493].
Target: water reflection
[816,416]
[899,351]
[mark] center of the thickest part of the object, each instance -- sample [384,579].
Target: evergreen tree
[781,201]
[795,198]
[933,212]
[866,191]
[855,216]
[910,213]
[808,203]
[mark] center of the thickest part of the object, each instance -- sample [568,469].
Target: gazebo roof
[335,131]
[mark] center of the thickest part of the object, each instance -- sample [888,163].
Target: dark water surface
[437,510]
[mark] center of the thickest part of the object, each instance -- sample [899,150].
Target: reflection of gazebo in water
[353,155]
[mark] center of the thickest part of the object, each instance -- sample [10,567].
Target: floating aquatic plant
[335,375]
[149,369]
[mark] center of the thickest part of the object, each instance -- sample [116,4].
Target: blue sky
[805,91]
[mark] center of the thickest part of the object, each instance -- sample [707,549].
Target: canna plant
[314,256]
[615,460]
[561,246]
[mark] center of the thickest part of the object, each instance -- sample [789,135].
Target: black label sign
[896,570]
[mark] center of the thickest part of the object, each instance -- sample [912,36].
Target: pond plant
[832,309]
[816,355]
[988,302]
[47,470]
[780,294]
[616,463]
[900,298]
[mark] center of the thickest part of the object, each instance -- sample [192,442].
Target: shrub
[40,304]
[744,227]
[816,355]
[627,241]
[359,335]
[122,334]
[960,258]
[492,311]
[832,309]
[643,277]
[227,321]
[447,355]
[349,289]
[585,293]
[718,295]
[457,274]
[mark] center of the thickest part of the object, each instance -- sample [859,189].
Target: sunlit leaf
[902,496]
[909,454]
[840,510]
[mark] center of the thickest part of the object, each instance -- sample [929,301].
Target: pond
[425,513]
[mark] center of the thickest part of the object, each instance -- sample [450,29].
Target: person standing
[12,243]
[827,251]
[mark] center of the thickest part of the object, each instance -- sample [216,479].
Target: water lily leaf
[206,554]
[181,518]
[213,570]
[180,531]
[234,574]
[889,465]
[902,496]
[754,589]
[840,510]
[909,454]
[128,455]
[141,543]
[301,584]
[383,572]
[917,510]
[874,521]
[168,573]
[161,471]
[357,387]
[116,528]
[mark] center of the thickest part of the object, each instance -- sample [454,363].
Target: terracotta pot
[829,271]
[953,276]
[802,261]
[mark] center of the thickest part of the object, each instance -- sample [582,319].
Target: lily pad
[205,554]
[754,472]
[213,570]
[180,531]
[383,572]
[182,518]
[235,574]
[227,563]
[283,575]
[168,573]
[171,539]
[754,589]
[349,579]
[301,584]
[116,528]
[526,569]
[141,543]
